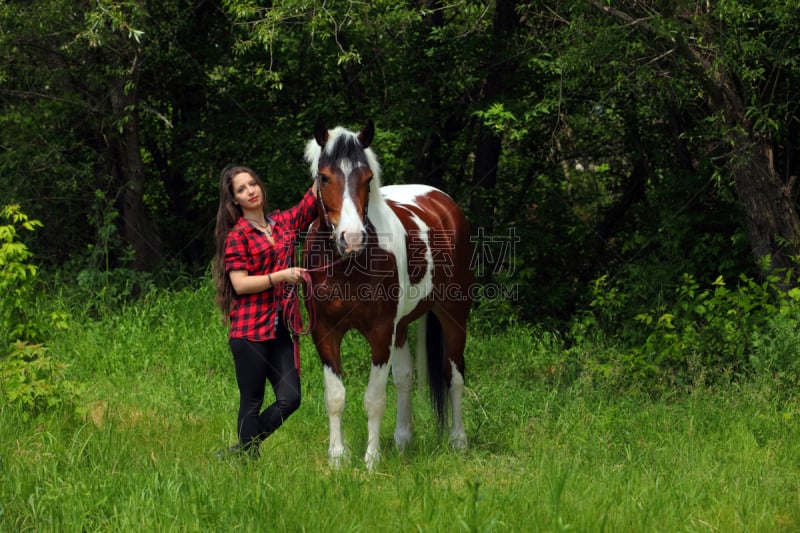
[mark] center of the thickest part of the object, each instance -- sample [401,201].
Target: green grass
[161,399]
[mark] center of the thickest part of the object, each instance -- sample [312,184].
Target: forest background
[629,168]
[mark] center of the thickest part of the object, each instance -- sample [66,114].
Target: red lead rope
[292,314]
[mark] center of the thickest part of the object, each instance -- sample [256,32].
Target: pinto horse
[380,258]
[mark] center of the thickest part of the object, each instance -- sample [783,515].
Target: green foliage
[502,121]
[34,381]
[706,331]
[111,17]
[697,333]
[611,162]
[17,279]
[104,277]
[30,377]
[774,346]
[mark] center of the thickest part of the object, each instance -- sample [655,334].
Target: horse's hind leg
[403,381]
[375,395]
[458,435]
[375,406]
[454,329]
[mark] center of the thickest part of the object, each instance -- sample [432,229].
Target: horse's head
[347,170]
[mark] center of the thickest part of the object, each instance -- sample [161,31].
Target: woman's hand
[243,283]
[293,275]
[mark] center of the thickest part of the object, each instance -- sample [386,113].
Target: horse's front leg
[375,395]
[328,344]
[334,403]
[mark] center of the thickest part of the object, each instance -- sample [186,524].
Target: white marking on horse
[392,237]
[375,406]
[458,435]
[334,403]
[402,373]
[351,225]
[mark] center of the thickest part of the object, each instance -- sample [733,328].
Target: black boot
[237,450]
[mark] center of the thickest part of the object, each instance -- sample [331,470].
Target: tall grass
[548,451]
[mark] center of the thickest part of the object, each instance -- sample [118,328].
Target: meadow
[550,450]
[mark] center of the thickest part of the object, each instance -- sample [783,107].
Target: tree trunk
[489,144]
[772,221]
[429,164]
[138,230]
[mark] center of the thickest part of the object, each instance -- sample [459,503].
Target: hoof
[402,440]
[372,460]
[458,442]
[336,458]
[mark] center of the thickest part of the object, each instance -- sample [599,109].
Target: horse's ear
[321,132]
[366,135]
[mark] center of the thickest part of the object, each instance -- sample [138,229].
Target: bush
[17,278]
[692,335]
[707,330]
[775,346]
[29,376]
[32,379]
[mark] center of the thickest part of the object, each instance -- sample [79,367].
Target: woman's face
[247,192]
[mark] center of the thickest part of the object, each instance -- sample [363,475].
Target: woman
[253,262]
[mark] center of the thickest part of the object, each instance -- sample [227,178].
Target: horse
[379,259]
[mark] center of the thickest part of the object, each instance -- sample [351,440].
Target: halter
[318,178]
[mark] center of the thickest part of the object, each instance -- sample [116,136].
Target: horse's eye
[323,179]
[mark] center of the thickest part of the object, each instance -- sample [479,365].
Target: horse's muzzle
[351,243]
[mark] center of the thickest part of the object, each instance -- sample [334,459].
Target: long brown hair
[228,215]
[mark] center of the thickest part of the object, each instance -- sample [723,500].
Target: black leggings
[257,362]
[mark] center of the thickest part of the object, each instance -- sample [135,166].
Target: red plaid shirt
[255,316]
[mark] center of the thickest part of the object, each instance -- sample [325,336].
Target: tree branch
[699,66]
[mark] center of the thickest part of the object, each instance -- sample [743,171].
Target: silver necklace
[265,227]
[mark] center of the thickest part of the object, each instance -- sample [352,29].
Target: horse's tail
[430,342]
